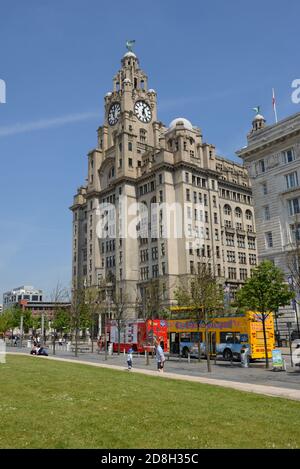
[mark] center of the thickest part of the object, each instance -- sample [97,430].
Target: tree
[205,297]
[92,300]
[6,322]
[79,314]
[151,304]
[58,296]
[264,293]
[119,308]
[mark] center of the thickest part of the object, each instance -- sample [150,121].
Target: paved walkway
[274,391]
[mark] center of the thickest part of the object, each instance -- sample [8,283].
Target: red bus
[138,334]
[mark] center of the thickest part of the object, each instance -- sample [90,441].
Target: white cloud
[46,123]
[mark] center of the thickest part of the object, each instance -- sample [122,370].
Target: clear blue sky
[211,62]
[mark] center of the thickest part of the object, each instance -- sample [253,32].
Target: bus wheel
[185,352]
[227,354]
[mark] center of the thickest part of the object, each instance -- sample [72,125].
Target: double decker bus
[138,334]
[226,335]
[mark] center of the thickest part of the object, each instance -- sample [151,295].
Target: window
[155,271]
[218,252]
[227,210]
[269,239]
[232,273]
[216,235]
[187,177]
[241,241]
[295,232]
[229,239]
[264,188]
[163,268]
[261,165]
[251,243]
[214,201]
[252,259]
[266,210]
[191,267]
[291,180]
[248,215]
[238,212]
[130,162]
[160,178]
[242,258]
[230,256]
[129,146]
[243,274]
[294,206]
[288,156]
[215,218]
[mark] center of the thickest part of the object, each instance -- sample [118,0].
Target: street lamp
[289,325]
[292,288]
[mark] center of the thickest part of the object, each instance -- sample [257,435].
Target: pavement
[255,379]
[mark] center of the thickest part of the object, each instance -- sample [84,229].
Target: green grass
[48,404]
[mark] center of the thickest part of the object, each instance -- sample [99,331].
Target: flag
[274,105]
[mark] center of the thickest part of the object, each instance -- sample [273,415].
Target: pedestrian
[60,341]
[129,359]
[160,357]
[244,356]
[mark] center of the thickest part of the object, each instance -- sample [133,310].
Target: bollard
[189,358]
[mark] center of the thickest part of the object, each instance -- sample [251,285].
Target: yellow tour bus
[226,335]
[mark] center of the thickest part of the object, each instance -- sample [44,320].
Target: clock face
[143,111]
[114,113]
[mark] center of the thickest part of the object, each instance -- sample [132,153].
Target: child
[129,359]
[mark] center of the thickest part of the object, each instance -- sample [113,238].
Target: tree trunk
[199,343]
[265,340]
[119,337]
[147,336]
[53,342]
[207,349]
[76,342]
[92,334]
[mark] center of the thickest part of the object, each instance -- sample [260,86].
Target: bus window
[226,338]
[237,338]
[196,337]
[185,337]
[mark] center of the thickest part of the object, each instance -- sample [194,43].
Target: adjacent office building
[25,292]
[272,158]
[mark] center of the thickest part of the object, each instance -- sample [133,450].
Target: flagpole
[274,105]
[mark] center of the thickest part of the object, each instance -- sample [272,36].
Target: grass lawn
[48,404]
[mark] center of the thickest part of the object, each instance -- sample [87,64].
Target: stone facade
[272,158]
[139,162]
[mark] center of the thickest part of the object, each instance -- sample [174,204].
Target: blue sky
[211,62]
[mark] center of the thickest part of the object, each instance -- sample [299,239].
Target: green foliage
[266,290]
[61,321]
[6,321]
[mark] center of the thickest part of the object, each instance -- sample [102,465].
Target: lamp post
[294,301]
[289,325]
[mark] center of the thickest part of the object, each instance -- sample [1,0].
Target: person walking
[244,356]
[129,359]
[160,356]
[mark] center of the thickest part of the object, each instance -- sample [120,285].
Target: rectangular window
[269,239]
[261,165]
[294,206]
[288,156]
[187,194]
[264,188]
[295,232]
[291,180]
[130,162]
[186,177]
[266,213]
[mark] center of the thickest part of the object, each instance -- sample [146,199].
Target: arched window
[238,212]
[248,214]
[227,209]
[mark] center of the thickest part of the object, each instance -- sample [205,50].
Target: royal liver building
[158,201]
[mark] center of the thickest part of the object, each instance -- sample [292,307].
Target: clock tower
[130,118]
